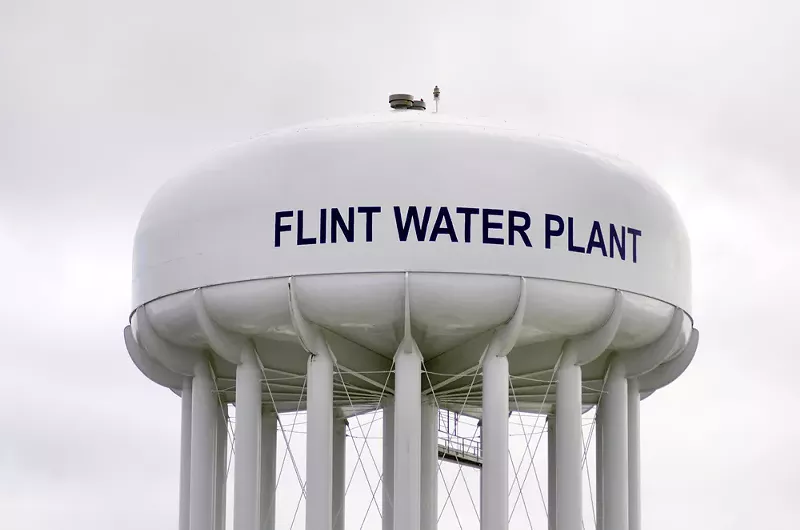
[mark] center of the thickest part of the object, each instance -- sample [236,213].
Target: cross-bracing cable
[539,440]
[228,431]
[589,441]
[439,465]
[516,474]
[460,472]
[280,423]
[360,451]
[360,461]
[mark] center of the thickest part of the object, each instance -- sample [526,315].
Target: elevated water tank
[417,260]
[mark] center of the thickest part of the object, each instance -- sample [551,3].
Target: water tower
[419,263]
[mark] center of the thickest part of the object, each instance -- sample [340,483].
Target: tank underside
[452,318]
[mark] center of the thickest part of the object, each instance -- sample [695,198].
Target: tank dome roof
[412,191]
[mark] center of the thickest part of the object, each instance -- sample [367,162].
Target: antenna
[436,93]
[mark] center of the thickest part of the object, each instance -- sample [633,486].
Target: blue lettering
[323,225]
[634,233]
[489,225]
[300,239]
[468,213]
[404,225]
[513,227]
[570,235]
[280,227]
[369,211]
[347,229]
[617,241]
[444,218]
[596,240]
[549,231]
[336,225]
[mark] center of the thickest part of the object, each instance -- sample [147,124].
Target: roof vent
[418,104]
[401,101]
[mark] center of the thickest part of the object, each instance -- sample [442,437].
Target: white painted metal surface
[429,466]
[269,446]
[248,200]
[599,463]
[387,487]
[551,471]
[247,477]
[407,439]
[221,472]
[615,447]
[351,249]
[570,447]
[339,471]
[319,448]
[204,429]
[494,473]
[186,454]
[634,471]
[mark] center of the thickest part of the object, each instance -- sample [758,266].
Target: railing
[452,438]
[458,445]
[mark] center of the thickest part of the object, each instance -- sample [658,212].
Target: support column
[634,457]
[429,466]
[551,472]
[269,451]
[204,427]
[247,443]
[494,472]
[598,465]
[319,442]
[407,440]
[339,471]
[388,466]
[221,470]
[570,445]
[480,471]
[186,453]
[615,448]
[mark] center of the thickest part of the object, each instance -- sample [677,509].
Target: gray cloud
[102,101]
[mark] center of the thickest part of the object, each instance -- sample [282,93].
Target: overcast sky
[101,101]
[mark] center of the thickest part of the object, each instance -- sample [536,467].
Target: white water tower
[418,263]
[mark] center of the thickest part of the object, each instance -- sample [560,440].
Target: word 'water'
[488,226]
